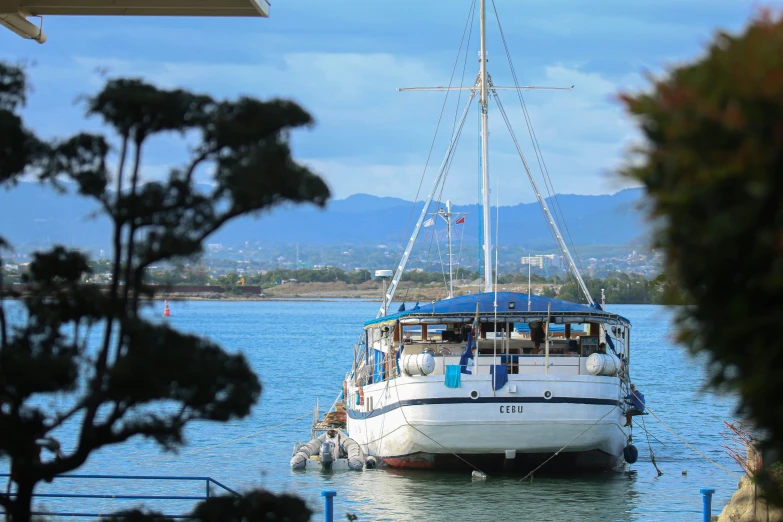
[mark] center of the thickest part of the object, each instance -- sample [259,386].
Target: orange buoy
[361,396]
[166,311]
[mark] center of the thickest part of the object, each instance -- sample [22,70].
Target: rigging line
[497,244]
[402,409]
[446,168]
[440,258]
[437,126]
[534,138]
[559,247]
[652,455]
[690,446]
[564,447]
[426,261]
[464,66]
[525,113]
[459,254]
[552,233]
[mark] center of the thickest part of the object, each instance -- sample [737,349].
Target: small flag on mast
[460,221]
[429,222]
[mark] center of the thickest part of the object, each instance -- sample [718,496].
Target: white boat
[457,382]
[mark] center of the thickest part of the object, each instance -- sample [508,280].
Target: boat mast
[448,227]
[484,88]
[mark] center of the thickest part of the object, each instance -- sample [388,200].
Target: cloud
[345,63]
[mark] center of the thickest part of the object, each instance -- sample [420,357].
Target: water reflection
[423,495]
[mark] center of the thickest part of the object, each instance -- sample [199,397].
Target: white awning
[14,13]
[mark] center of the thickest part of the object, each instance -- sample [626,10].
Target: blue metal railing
[209,484]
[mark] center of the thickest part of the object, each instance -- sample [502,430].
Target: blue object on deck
[453,375]
[707,499]
[379,361]
[506,359]
[467,357]
[329,505]
[499,374]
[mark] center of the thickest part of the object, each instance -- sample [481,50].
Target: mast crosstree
[483,87]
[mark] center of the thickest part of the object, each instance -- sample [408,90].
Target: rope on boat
[652,455]
[564,447]
[691,447]
[437,126]
[645,430]
[433,440]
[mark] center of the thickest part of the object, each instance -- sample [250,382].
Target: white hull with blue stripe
[417,418]
[427,400]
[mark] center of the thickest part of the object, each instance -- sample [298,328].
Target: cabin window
[369,403]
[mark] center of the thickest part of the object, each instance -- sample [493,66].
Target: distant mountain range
[31,215]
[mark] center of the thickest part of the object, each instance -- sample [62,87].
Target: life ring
[361,396]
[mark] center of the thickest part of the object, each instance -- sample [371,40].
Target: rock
[747,505]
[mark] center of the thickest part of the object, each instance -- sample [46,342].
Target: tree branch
[132,228]
[196,162]
[3,326]
[100,365]
[63,417]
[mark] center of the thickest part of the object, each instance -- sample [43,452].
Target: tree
[142,379]
[711,165]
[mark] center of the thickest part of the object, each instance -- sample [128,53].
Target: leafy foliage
[256,505]
[142,379]
[711,165]
[18,147]
[619,289]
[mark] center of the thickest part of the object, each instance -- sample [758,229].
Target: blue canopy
[511,306]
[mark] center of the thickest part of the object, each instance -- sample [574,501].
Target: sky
[343,60]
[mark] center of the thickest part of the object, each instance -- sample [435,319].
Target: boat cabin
[478,341]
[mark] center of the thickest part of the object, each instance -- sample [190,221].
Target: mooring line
[402,409]
[564,447]
[644,429]
[690,446]
[652,455]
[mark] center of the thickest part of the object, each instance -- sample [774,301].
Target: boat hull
[419,423]
[564,463]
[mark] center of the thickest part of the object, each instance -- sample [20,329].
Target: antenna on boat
[446,216]
[528,281]
[383,275]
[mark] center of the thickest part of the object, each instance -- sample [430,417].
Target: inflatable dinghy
[332,451]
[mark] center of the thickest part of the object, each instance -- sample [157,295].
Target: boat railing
[87,498]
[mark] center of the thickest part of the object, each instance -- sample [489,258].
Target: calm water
[301,351]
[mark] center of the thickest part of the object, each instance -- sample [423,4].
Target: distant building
[543,261]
